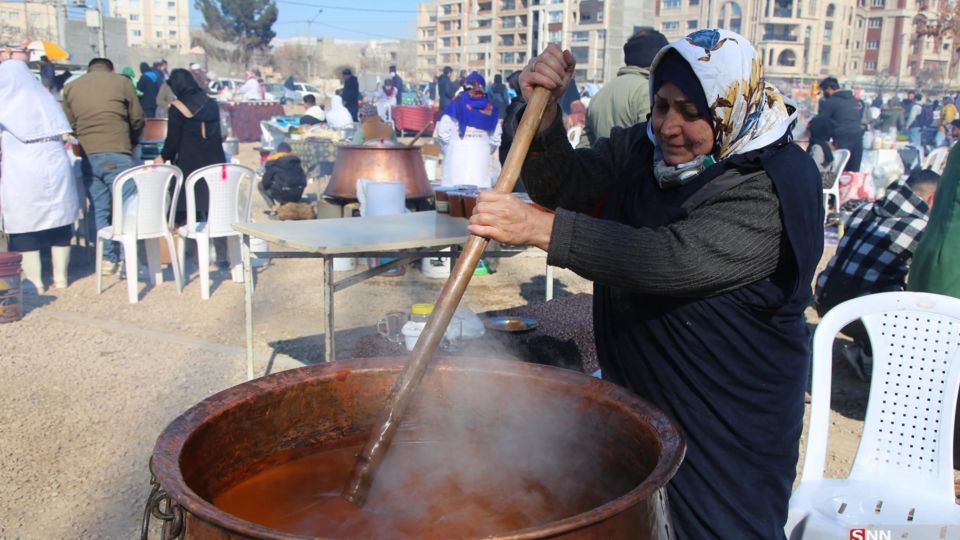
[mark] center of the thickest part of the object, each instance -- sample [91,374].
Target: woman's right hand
[552,69]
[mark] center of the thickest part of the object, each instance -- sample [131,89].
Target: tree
[238,28]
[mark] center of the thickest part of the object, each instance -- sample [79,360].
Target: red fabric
[411,117]
[245,118]
[856,185]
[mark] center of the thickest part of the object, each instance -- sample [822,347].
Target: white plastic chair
[840,159]
[149,218]
[936,160]
[230,187]
[902,475]
[573,135]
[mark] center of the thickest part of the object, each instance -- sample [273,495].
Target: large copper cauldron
[270,421]
[382,163]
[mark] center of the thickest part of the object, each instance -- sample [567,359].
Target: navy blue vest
[731,368]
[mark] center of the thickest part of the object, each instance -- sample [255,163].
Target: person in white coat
[338,117]
[469,134]
[38,193]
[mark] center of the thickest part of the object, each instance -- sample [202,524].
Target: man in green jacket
[625,100]
[936,263]
[103,109]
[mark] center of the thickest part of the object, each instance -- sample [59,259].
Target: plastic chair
[228,194]
[902,475]
[936,160]
[149,217]
[573,135]
[840,159]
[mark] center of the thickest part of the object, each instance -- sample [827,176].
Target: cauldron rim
[164,463]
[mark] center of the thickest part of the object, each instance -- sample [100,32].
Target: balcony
[780,37]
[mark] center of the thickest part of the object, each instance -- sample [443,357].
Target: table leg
[328,324]
[549,278]
[248,303]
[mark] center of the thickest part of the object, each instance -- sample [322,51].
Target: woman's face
[680,130]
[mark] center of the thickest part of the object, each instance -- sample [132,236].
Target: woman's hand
[158,160]
[553,70]
[504,218]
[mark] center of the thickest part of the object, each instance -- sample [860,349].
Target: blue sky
[356,19]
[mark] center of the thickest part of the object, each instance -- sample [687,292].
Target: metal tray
[511,324]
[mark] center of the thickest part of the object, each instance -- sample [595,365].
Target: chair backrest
[573,135]
[230,187]
[936,160]
[908,430]
[911,156]
[150,212]
[840,158]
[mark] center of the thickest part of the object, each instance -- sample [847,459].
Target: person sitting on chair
[874,255]
[283,179]
[313,114]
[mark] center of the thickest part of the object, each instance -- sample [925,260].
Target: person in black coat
[283,178]
[350,92]
[446,89]
[149,86]
[845,115]
[193,139]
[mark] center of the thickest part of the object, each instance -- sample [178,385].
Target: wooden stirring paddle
[406,386]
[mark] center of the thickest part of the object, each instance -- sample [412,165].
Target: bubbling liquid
[417,494]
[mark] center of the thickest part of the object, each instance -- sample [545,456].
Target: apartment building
[500,36]
[27,21]
[160,24]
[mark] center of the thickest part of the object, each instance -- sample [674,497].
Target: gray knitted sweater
[731,240]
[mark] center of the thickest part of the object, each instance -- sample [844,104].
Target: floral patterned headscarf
[746,112]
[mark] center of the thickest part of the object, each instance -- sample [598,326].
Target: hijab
[935,267]
[746,113]
[338,116]
[188,92]
[471,108]
[30,112]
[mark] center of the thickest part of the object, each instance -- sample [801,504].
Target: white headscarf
[29,111]
[747,113]
[338,116]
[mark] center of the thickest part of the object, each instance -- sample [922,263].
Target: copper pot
[381,163]
[629,445]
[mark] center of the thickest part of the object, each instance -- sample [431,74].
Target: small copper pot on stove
[381,163]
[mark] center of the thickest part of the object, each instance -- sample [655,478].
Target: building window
[827,31]
[870,66]
[875,22]
[172,33]
[507,58]
[446,9]
[555,17]
[134,17]
[579,36]
[484,39]
[873,44]
[159,34]
[855,65]
[508,4]
[172,19]
[787,58]
[671,4]
[581,54]
[694,2]
[508,22]
[506,40]
[445,42]
[671,25]
[135,33]
[878,3]
[692,24]
[859,23]
[171,5]
[555,36]
[825,55]
[157,19]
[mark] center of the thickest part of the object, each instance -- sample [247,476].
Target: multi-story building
[161,24]
[500,36]
[426,62]
[27,21]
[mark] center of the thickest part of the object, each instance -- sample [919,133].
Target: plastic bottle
[419,313]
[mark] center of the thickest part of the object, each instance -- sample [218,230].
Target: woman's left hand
[504,218]
[158,160]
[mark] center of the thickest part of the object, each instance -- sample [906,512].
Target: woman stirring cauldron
[701,230]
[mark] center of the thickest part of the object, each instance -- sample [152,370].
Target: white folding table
[404,236]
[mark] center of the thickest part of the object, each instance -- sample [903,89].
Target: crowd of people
[699,220]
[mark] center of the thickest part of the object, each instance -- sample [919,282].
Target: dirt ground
[90,381]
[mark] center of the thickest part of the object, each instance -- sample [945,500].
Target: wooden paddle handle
[406,386]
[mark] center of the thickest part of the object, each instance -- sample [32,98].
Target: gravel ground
[90,381]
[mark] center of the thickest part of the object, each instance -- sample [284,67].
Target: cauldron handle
[406,386]
[165,509]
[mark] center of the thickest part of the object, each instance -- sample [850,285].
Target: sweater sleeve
[724,244]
